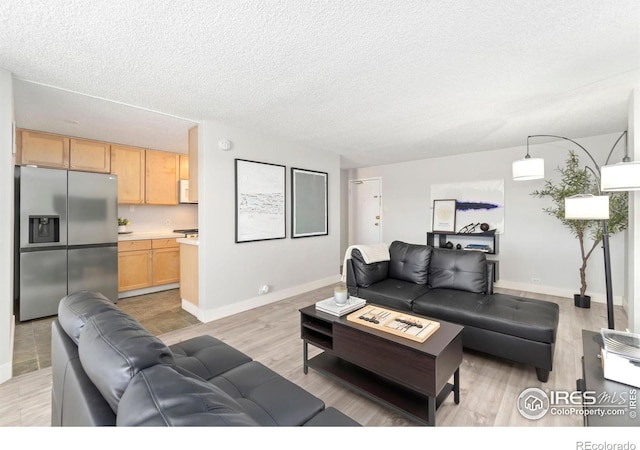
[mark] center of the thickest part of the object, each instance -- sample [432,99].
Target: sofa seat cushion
[331,417]
[398,294]
[160,396]
[206,356]
[536,320]
[458,269]
[409,262]
[267,397]
[76,308]
[113,348]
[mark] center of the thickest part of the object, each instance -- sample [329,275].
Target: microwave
[183,191]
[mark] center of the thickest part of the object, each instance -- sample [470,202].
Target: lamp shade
[586,207]
[624,176]
[528,169]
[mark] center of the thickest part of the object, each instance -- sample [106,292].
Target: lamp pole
[605,226]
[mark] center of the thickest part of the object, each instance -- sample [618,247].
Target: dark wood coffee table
[410,377]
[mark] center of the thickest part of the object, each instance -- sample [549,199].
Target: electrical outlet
[132,208]
[535,280]
[263,289]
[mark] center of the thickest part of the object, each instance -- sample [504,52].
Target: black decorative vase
[582,301]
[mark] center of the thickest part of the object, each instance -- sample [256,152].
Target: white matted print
[476,202]
[260,201]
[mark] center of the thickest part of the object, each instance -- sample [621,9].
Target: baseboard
[550,290]
[149,290]
[276,296]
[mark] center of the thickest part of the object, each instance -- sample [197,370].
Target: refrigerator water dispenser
[44,229]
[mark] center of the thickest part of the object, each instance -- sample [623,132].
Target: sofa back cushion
[409,262]
[113,348]
[367,274]
[458,269]
[76,308]
[162,396]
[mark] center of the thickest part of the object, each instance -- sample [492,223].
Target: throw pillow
[458,269]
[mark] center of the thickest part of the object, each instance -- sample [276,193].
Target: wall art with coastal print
[477,202]
[260,201]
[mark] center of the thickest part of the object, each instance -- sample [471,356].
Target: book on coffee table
[329,306]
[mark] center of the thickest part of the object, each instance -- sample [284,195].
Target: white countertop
[188,241]
[138,235]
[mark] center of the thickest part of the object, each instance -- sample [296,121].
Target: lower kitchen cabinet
[148,262]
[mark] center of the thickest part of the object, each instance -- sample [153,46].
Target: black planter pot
[582,301]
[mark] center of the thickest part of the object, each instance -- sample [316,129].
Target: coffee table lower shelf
[413,405]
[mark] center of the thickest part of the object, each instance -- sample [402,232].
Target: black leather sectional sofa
[108,370]
[457,286]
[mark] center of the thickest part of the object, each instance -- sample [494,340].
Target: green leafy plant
[575,180]
[123,222]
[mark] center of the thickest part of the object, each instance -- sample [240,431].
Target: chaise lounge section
[108,370]
[457,286]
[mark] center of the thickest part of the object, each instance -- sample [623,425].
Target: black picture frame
[260,191]
[309,203]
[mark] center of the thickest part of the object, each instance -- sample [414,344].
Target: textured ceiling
[374,81]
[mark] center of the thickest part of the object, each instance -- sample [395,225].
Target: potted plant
[122,225]
[575,180]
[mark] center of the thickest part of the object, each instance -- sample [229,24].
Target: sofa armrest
[352,284]
[489,277]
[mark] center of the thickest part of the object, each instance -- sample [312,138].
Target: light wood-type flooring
[271,334]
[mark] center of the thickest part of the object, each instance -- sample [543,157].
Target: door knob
[376,224]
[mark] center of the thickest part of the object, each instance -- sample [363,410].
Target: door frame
[379,179]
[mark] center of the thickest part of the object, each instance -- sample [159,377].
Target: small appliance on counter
[188,232]
[620,356]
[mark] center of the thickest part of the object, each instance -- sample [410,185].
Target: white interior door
[365,205]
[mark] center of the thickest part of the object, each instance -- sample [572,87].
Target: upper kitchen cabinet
[42,149]
[184,167]
[193,164]
[129,164]
[161,185]
[90,156]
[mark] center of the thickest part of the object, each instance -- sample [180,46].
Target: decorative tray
[394,322]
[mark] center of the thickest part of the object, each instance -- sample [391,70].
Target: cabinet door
[161,182]
[90,156]
[129,164]
[134,270]
[45,150]
[184,167]
[166,266]
[193,164]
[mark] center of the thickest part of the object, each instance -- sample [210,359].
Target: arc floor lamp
[623,176]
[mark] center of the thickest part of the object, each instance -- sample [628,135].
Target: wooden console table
[409,377]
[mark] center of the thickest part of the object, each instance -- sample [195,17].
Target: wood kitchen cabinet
[161,181]
[148,262]
[129,164]
[42,149]
[193,164]
[89,156]
[184,167]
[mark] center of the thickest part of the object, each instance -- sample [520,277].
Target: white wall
[534,244]
[231,274]
[633,269]
[6,224]
[155,217]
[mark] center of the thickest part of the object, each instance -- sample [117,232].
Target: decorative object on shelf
[484,227]
[459,247]
[579,206]
[471,228]
[444,216]
[449,245]
[309,207]
[122,225]
[260,201]
[476,201]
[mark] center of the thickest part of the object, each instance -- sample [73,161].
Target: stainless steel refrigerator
[66,228]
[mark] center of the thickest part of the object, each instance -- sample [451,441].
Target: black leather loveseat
[457,286]
[108,370]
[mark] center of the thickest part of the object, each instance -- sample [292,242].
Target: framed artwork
[444,216]
[260,201]
[309,209]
